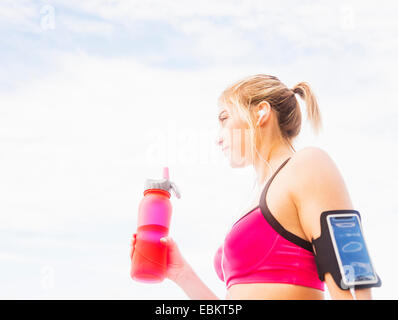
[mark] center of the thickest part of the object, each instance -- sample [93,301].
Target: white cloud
[19,14]
[83,26]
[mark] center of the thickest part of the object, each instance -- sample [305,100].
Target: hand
[176,264]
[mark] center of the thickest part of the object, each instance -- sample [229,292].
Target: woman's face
[233,137]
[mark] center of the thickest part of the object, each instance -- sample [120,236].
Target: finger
[166,240]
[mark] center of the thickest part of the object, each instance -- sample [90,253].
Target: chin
[238,164]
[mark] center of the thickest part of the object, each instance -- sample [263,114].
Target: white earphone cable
[261,112]
[354,296]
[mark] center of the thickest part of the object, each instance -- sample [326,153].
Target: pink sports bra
[258,249]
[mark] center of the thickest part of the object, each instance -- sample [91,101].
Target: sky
[97,96]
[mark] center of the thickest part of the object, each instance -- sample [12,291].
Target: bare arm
[319,187]
[193,286]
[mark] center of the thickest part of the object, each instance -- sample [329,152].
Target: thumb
[164,240]
[167,240]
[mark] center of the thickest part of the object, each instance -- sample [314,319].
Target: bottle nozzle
[163,184]
[166,173]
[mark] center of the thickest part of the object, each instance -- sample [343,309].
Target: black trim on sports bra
[256,207]
[274,223]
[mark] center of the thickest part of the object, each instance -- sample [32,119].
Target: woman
[259,119]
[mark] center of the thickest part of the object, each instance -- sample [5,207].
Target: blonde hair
[248,92]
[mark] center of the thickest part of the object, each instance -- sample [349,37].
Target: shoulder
[313,170]
[316,186]
[309,156]
[311,164]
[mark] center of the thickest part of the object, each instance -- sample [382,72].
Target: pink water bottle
[149,262]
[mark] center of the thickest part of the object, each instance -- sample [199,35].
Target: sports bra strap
[275,223]
[275,173]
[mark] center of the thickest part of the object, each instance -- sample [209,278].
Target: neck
[274,154]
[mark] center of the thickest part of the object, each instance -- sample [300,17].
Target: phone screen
[355,263]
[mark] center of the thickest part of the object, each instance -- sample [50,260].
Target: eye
[222,119]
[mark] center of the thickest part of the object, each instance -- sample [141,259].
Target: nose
[218,141]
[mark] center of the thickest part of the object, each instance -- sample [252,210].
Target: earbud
[261,114]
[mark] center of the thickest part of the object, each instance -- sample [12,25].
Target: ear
[264,112]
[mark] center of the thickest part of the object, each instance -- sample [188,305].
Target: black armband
[341,251]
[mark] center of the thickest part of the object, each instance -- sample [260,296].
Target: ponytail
[304,90]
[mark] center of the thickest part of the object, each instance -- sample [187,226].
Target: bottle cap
[163,184]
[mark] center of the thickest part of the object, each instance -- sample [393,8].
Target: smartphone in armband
[352,255]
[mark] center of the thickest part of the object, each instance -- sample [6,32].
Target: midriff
[272,291]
